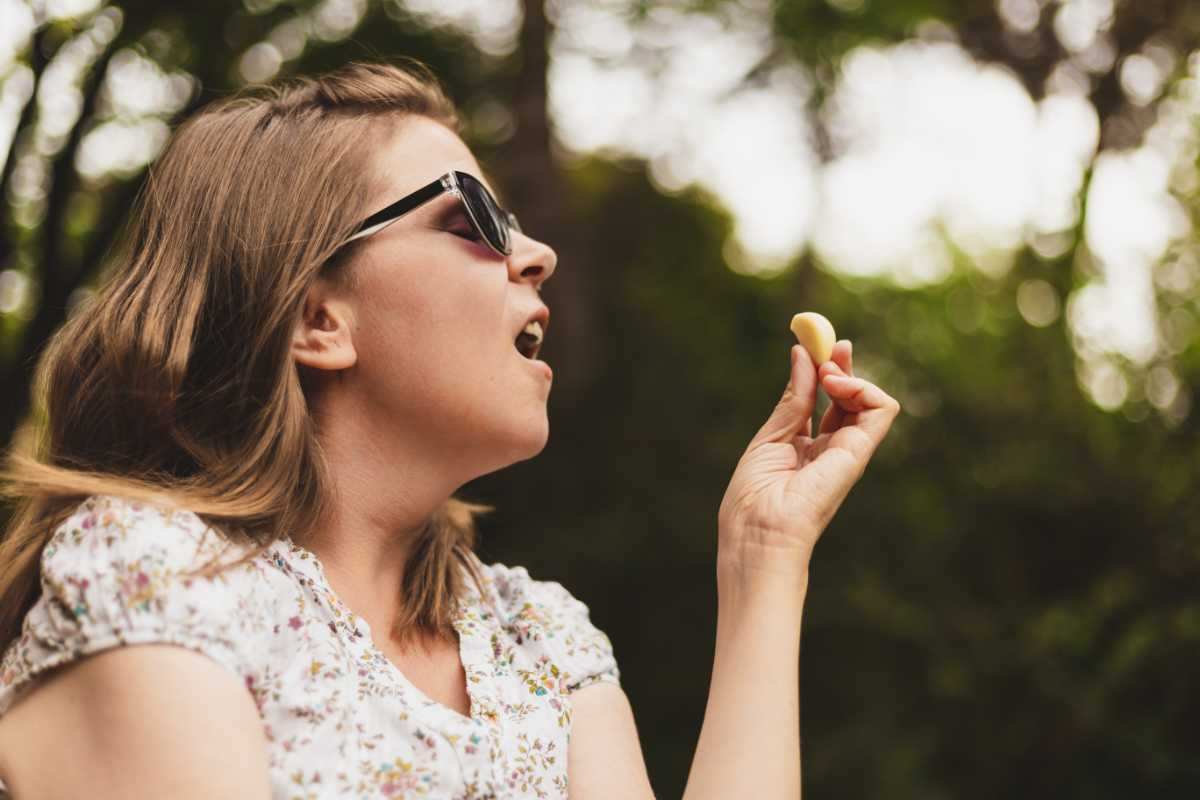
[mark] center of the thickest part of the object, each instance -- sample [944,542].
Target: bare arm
[144,721]
[786,488]
[750,740]
[604,760]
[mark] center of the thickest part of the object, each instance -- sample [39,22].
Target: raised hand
[788,484]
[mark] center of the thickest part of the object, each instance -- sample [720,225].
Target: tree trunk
[540,192]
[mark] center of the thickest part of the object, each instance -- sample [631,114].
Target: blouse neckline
[473,645]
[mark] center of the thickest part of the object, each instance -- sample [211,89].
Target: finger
[875,408]
[833,418]
[853,394]
[842,358]
[793,412]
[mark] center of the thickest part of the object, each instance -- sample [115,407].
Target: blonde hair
[175,384]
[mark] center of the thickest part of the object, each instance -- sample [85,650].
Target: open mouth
[529,340]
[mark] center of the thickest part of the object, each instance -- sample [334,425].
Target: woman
[319,327]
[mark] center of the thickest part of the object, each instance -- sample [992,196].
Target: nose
[531,260]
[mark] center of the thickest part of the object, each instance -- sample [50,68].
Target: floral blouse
[341,721]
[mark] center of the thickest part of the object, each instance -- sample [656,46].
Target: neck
[382,495]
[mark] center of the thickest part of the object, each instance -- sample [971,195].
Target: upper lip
[542,315]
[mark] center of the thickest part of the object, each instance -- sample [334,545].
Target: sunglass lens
[486,212]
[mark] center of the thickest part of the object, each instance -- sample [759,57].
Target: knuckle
[889,403]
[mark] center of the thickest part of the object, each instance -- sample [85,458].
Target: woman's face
[434,316]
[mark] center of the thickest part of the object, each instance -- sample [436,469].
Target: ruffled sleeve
[111,575]
[545,612]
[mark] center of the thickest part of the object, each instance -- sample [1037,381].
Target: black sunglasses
[488,219]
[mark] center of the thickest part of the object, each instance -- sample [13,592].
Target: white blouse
[340,719]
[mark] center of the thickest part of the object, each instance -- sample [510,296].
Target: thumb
[793,414]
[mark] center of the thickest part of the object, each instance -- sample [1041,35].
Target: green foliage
[817,30]
[1002,604]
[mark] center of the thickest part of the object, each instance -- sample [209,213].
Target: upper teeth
[534,329]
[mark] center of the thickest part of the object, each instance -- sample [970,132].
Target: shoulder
[106,529]
[546,613]
[519,595]
[121,572]
[142,555]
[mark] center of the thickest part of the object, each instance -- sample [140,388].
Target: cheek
[435,333]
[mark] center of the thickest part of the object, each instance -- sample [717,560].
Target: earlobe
[322,338]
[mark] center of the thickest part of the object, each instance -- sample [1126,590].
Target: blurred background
[995,201]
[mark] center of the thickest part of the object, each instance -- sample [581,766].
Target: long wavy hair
[175,384]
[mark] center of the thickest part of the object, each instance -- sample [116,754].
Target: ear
[322,339]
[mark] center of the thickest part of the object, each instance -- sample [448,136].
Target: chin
[541,436]
[532,439]
[511,446]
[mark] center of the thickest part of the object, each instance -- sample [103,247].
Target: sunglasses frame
[452,182]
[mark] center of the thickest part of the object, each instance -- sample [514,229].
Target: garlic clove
[534,329]
[815,333]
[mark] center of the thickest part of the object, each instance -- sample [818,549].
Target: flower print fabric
[341,721]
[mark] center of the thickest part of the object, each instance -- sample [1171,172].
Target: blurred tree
[38,235]
[1003,604]
[1030,37]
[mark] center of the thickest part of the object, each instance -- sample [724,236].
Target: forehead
[413,151]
